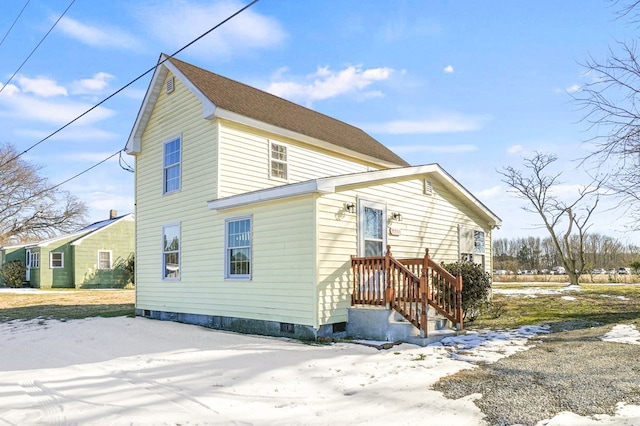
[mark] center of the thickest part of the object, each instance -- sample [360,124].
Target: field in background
[585,279]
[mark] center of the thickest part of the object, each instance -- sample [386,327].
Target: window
[171,252]
[238,248]
[56,259]
[104,259]
[35,259]
[372,228]
[171,178]
[472,245]
[278,163]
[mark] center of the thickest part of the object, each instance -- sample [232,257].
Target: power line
[14,22]
[130,83]
[38,45]
[121,160]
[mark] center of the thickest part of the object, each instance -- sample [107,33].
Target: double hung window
[238,248]
[171,163]
[472,245]
[104,259]
[171,252]
[56,259]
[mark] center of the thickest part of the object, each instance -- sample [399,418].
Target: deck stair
[408,300]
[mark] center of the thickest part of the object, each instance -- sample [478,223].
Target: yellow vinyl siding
[427,222]
[175,114]
[244,161]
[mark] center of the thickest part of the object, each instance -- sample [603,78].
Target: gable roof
[328,185]
[231,99]
[83,232]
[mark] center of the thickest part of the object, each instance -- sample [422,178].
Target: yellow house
[252,211]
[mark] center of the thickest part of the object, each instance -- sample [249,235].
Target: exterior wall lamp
[350,207]
[396,216]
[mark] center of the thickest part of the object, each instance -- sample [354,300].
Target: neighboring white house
[249,208]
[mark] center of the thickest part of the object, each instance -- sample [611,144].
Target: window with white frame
[472,245]
[171,162]
[35,259]
[104,259]
[56,259]
[278,161]
[238,248]
[171,252]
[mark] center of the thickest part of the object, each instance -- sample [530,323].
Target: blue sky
[470,85]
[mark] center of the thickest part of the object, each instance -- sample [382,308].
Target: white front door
[27,262]
[372,227]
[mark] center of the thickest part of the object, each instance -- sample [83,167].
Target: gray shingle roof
[256,104]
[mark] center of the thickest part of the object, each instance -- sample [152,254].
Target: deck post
[388,290]
[424,293]
[459,309]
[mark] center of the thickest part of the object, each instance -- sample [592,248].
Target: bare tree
[30,208]
[612,108]
[566,222]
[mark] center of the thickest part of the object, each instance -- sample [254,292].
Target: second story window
[278,161]
[171,178]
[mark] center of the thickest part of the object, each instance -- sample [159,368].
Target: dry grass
[584,279]
[589,306]
[66,304]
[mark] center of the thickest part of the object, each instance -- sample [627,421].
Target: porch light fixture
[396,216]
[350,207]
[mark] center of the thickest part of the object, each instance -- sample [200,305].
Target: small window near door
[35,260]
[56,259]
[104,259]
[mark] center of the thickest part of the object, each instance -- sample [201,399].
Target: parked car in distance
[598,271]
[624,271]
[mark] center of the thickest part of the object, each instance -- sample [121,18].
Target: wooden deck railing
[407,285]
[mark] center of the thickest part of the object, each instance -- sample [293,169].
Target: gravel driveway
[564,371]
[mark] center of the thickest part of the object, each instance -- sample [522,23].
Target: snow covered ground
[120,371]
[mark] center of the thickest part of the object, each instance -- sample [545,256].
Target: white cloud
[59,112]
[461,148]
[96,84]
[448,69]
[176,23]
[98,37]
[515,149]
[573,88]
[41,86]
[446,123]
[325,84]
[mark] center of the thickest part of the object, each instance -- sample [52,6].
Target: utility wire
[14,22]
[38,45]
[128,84]
[121,160]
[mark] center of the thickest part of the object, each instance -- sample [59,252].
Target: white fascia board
[251,122]
[270,194]
[155,87]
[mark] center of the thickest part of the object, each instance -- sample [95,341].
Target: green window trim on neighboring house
[171,252]
[171,165]
[56,260]
[104,259]
[238,239]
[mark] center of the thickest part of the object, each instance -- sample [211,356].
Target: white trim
[280,131]
[156,86]
[110,260]
[227,273]
[61,260]
[329,185]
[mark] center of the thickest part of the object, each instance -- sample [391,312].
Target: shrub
[476,287]
[13,273]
